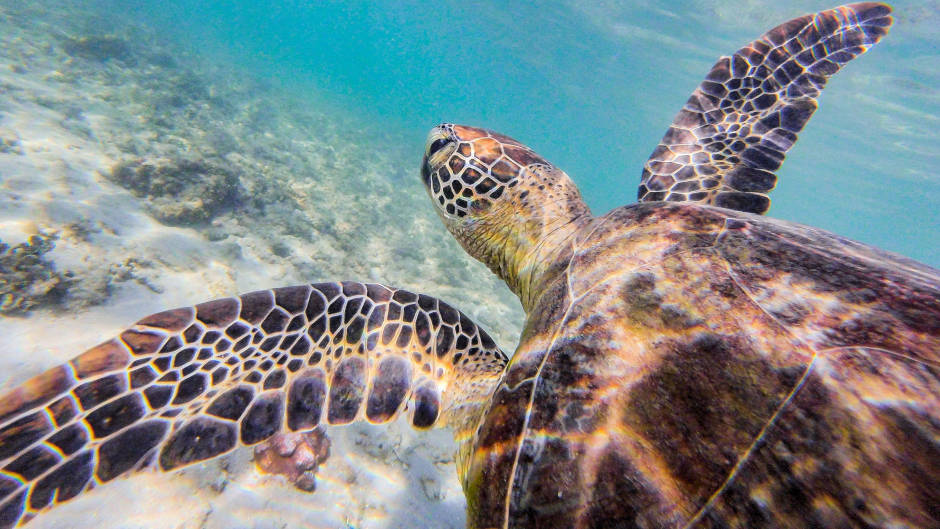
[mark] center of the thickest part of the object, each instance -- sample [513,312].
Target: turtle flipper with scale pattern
[682,365]
[733,133]
[190,384]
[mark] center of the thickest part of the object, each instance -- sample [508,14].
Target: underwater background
[592,86]
[159,154]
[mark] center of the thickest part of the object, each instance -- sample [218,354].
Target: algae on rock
[99,48]
[28,279]
[181,192]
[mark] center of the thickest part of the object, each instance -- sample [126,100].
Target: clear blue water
[592,86]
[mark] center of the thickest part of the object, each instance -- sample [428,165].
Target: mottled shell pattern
[685,365]
[685,362]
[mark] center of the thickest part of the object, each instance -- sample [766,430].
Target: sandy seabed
[155,178]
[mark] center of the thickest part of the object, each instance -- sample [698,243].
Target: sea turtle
[685,362]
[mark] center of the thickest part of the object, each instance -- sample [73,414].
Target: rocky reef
[99,48]
[181,192]
[28,279]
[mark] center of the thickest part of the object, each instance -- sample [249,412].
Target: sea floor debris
[28,279]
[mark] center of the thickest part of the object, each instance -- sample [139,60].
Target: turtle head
[505,204]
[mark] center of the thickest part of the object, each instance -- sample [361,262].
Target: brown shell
[699,367]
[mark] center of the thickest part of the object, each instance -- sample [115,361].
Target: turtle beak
[438,147]
[425,171]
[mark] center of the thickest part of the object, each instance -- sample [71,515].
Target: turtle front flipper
[194,383]
[733,133]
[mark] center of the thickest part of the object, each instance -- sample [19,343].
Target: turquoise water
[283,148]
[592,86]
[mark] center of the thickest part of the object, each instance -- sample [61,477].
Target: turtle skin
[685,362]
[690,366]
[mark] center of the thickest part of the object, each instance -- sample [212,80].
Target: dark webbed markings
[189,384]
[275,379]
[63,483]
[190,388]
[142,377]
[231,404]
[33,463]
[218,313]
[11,509]
[389,389]
[347,390]
[158,396]
[192,333]
[70,439]
[144,342]
[305,400]
[183,357]
[480,169]
[200,438]
[301,354]
[94,393]
[263,418]
[724,146]
[427,406]
[123,451]
[22,432]
[63,410]
[115,415]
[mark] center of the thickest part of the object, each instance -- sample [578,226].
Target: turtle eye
[437,145]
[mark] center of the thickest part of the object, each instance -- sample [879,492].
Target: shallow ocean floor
[159,180]
[137,175]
